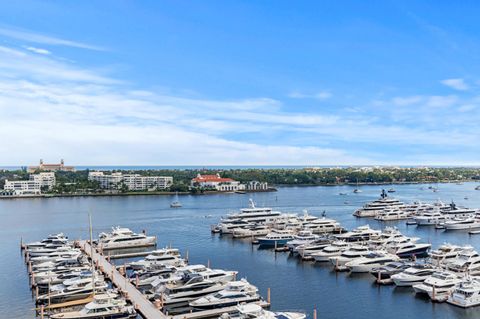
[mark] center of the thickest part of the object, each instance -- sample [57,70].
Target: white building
[216,182]
[256,186]
[137,182]
[133,182]
[45,179]
[29,187]
[107,181]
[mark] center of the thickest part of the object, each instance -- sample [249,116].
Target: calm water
[294,284]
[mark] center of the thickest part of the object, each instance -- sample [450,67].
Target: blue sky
[240,82]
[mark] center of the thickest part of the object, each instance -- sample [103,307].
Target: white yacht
[251,231]
[462,223]
[361,233]
[306,250]
[438,286]
[301,238]
[335,249]
[120,238]
[103,306]
[254,311]
[453,210]
[392,214]
[413,275]
[467,261]
[53,240]
[466,294]
[322,225]
[429,218]
[216,275]
[353,252]
[370,261]
[157,260]
[373,208]
[444,254]
[254,214]
[235,293]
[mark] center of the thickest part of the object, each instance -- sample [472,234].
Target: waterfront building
[133,182]
[107,181]
[216,182]
[45,179]
[29,187]
[256,186]
[51,167]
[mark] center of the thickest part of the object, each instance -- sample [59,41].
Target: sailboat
[357,190]
[176,203]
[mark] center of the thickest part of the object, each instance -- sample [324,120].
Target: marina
[231,253]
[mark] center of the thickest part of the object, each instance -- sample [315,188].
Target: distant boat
[477,188]
[357,190]
[391,190]
[176,203]
[342,194]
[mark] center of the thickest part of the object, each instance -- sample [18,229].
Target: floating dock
[140,302]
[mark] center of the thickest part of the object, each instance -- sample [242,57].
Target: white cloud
[321,95]
[456,84]
[441,101]
[406,101]
[44,39]
[50,108]
[38,50]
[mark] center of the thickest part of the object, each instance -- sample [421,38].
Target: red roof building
[216,182]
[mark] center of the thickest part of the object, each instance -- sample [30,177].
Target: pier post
[208,263]
[21,243]
[315,313]
[41,311]
[136,281]
[186,256]
[268,295]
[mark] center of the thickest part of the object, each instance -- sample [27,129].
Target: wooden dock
[141,303]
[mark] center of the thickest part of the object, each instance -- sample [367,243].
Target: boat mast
[91,252]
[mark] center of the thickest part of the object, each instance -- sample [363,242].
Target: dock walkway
[141,303]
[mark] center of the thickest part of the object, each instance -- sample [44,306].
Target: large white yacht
[467,261]
[332,250]
[444,254]
[105,305]
[438,286]
[120,238]
[361,233]
[373,208]
[322,225]
[254,311]
[429,218]
[370,261]
[462,223]
[353,252]
[235,293]
[301,238]
[253,214]
[413,275]
[453,210]
[164,257]
[254,230]
[389,214]
[466,293]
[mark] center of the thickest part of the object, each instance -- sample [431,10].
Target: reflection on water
[294,284]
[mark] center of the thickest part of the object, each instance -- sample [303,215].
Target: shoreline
[272,189]
[46,196]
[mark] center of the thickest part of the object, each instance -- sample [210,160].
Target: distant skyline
[240,83]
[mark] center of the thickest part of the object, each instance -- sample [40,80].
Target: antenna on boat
[91,251]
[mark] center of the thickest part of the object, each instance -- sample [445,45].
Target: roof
[211,178]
